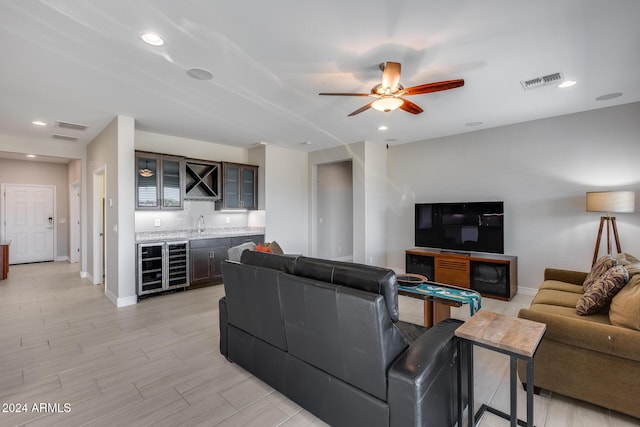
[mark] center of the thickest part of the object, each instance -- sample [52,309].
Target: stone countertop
[208,233]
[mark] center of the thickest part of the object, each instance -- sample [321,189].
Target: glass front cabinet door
[147,181]
[158,181]
[171,183]
[240,186]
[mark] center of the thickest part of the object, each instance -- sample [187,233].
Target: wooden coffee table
[518,338]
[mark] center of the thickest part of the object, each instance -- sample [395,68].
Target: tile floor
[64,345]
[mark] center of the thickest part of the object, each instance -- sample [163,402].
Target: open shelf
[202,180]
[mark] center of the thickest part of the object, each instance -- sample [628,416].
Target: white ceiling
[82,62]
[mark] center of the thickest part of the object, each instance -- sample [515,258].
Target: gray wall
[541,169]
[113,151]
[43,173]
[369,198]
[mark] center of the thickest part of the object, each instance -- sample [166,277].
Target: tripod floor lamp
[609,201]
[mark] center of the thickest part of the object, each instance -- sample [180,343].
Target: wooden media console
[493,275]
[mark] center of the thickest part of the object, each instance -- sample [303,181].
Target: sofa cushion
[368,278]
[562,286]
[286,264]
[340,330]
[599,268]
[254,305]
[558,310]
[625,306]
[557,297]
[599,294]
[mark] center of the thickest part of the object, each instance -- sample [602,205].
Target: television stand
[493,275]
[447,251]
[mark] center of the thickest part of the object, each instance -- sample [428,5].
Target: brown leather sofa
[327,335]
[593,358]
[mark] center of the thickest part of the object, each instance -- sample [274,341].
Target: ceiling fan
[389,92]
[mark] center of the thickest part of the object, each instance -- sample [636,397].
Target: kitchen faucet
[201,226]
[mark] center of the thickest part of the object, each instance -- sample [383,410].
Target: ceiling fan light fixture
[387,104]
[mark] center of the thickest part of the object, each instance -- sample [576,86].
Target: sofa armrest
[568,276]
[222,305]
[423,381]
[582,333]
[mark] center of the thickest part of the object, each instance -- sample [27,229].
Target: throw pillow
[599,294]
[624,306]
[624,259]
[599,268]
[261,248]
[275,247]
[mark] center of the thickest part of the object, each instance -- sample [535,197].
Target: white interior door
[29,223]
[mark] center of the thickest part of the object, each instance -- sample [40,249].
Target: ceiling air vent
[64,137]
[537,82]
[74,126]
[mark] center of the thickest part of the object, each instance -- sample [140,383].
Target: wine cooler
[162,266]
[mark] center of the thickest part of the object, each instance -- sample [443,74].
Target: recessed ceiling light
[38,123]
[383,127]
[199,74]
[152,39]
[609,96]
[567,83]
[31,156]
[306,143]
[471,124]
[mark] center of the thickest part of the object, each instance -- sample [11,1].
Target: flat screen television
[465,226]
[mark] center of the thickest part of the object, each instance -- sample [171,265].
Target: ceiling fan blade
[434,87]
[345,94]
[410,107]
[361,109]
[391,76]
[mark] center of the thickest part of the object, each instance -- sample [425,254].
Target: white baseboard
[111,297]
[527,291]
[62,258]
[84,275]
[121,302]
[346,258]
[126,301]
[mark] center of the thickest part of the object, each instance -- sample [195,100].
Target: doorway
[99,222]
[335,210]
[29,222]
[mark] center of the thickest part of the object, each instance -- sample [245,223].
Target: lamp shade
[611,201]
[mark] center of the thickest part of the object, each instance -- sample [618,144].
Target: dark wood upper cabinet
[159,181]
[164,182]
[239,186]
